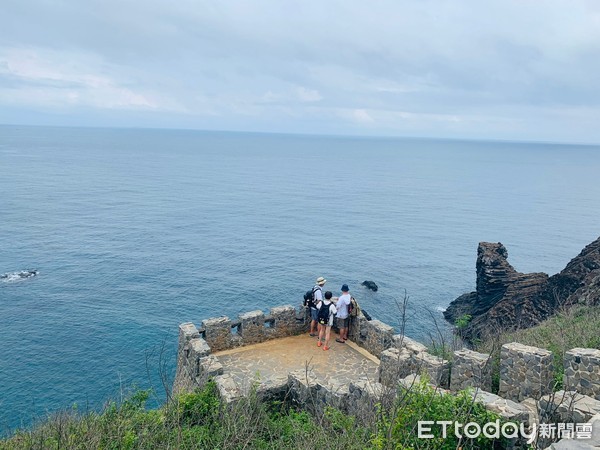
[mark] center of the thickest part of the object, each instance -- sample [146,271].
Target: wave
[18,276]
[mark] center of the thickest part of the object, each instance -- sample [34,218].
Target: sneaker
[319,344]
[325,348]
[341,341]
[313,334]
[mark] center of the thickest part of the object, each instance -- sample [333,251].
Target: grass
[574,327]
[200,420]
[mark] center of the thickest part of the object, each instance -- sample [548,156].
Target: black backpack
[309,297]
[323,314]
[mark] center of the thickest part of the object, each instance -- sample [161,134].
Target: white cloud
[394,66]
[58,79]
[361,116]
[308,95]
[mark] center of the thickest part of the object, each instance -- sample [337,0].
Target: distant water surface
[136,231]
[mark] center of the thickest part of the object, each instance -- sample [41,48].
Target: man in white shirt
[342,314]
[317,296]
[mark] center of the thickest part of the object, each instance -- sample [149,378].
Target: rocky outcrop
[507,299]
[370,285]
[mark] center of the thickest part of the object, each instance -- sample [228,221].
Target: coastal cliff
[505,299]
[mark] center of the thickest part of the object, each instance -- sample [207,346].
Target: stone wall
[409,357]
[372,335]
[395,364]
[309,393]
[567,407]
[525,372]
[195,362]
[222,333]
[582,371]
[471,369]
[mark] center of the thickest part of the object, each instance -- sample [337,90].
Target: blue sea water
[136,231]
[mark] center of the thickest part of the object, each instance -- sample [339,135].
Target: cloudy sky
[497,69]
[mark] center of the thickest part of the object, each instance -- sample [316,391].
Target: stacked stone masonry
[525,372]
[411,358]
[591,443]
[373,335]
[567,407]
[471,370]
[582,371]
[253,327]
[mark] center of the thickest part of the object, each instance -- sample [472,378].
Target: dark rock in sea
[18,275]
[370,285]
[506,299]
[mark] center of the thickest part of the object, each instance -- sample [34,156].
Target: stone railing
[372,335]
[525,385]
[222,333]
[195,362]
[525,372]
[582,371]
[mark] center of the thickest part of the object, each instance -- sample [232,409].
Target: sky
[494,69]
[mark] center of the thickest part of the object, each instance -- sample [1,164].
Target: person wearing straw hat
[317,296]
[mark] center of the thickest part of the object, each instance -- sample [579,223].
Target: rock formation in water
[370,285]
[506,299]
[16,276]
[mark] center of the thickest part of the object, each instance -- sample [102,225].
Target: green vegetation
[397,428]
[574,327]
[462,322]
[200,420]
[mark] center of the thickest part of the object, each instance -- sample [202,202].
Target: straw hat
[321,281]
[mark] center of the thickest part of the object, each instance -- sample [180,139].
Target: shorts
[328,324]
[314,312]
[342,323]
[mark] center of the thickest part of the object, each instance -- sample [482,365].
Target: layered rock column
[525,372]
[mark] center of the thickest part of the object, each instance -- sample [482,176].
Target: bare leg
[327,335]
[321,333]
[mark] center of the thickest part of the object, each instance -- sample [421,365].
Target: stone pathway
[271,361]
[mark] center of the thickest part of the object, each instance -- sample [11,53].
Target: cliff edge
[505,299]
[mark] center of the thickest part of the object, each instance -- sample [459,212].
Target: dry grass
[573,327]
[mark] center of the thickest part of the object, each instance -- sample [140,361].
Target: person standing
[343,318]
[317,296]
[326,311]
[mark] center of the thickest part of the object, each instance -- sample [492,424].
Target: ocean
[136,231]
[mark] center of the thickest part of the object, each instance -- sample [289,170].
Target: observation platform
[270,362]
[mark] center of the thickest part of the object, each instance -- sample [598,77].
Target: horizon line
[308,134]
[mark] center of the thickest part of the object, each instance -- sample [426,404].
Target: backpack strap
[315,289]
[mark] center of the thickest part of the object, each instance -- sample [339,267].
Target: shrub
[423,402]
[573,327]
